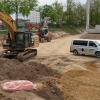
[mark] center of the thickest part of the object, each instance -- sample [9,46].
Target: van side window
[80,42]
[92,44]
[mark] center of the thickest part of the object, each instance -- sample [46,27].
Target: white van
[85,47]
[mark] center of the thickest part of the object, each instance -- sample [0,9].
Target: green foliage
[47,11]
[68,29]
[26,6]
[74,15]
[3,32]
[6,6]
[58,10]
[70,11]
[18,6]
[95,13]
[54,11]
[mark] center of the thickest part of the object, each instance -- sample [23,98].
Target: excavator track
[27,54]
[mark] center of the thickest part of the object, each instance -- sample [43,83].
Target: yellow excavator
[21,45]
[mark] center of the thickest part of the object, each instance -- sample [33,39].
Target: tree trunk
[16,13]
[16,19]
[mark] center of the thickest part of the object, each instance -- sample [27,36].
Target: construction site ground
[58,74]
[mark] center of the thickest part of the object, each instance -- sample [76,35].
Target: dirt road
[59,46]
[63,76]
[80,74]
[56,54]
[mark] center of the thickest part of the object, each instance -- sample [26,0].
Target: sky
[43,2]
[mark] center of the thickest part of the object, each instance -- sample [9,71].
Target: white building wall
[34,17]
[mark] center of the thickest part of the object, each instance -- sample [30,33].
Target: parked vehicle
[85,47]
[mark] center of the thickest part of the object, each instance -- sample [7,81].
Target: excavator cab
[24,40]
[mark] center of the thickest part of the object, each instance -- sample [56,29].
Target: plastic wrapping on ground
[18,85]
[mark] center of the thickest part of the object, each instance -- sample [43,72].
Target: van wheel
[75,52]
[97,54]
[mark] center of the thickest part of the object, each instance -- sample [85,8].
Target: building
[34,17]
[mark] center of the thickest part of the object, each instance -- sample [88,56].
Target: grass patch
[3,31]
[68,29]
[72,30]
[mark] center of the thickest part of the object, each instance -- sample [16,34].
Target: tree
[24,7]
[75,15]
[47,11]
[58,10]
[80,14]
[70,11]
[18,6]
[95,12]
[54,11]
[6,6]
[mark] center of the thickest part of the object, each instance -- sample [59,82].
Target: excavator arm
[9,22]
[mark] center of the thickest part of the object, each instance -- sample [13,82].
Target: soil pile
[13,70]
[35,72]
[59,34]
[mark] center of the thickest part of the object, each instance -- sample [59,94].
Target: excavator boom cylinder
[9,23]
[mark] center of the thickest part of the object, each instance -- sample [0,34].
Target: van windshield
[98,43]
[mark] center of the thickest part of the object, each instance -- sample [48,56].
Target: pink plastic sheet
[18,85]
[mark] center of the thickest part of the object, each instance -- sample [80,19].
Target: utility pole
[88,14]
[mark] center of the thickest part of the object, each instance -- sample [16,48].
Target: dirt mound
[91,36]
[13,70]
[59,34]
[35,72]
[81,85]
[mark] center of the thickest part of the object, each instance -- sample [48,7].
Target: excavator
[43,33]
[20,45]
